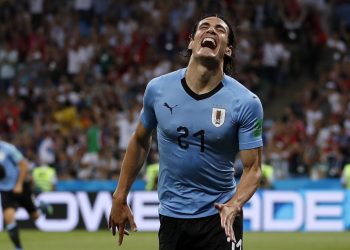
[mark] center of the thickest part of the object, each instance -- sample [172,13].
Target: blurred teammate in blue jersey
[203,118]
[14,190]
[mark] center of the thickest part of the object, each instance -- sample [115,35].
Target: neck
[202,79]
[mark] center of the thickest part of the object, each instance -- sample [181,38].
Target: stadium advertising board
[266,211]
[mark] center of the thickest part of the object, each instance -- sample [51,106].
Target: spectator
[152,171]
[44,178]
[62,63]
[47,152]
[8,63]
[266,176]
[127,124]
[107,166]
[275,59]
[345,178]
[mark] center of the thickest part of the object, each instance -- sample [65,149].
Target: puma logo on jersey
[169,107]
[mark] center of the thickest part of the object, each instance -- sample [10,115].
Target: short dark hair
[229,64]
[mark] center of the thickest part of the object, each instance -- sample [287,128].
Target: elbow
[141,142]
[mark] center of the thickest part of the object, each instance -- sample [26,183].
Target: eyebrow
[217,25]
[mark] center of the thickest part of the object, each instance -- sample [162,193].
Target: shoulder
[240,92]
[168,78]
[246,104]
[162,84]
[237,88]
[7,146]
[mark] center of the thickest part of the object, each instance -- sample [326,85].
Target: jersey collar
[200,96]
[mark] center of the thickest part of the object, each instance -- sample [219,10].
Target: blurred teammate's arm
[23,169]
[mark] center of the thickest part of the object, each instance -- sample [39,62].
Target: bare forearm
[250,179]
[134,158]
[248,185]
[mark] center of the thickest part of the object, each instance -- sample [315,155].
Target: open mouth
[208,42]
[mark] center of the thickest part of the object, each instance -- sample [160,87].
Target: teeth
[209,39]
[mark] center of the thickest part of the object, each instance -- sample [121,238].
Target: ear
[190,45]
[228,51]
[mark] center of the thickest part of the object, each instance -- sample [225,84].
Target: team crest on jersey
[218,117]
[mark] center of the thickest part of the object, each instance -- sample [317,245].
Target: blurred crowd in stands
[73,72]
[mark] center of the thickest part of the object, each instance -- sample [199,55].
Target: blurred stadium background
[72,76]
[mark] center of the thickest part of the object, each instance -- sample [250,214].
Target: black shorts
[194,234]
[25,199]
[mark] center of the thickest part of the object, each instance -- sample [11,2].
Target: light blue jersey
[10,156]
[199,137]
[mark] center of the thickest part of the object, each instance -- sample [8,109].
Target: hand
[228,214]
[119,216]
[18,189]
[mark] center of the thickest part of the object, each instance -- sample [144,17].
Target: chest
[210,120]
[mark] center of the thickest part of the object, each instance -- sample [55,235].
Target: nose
[211,29]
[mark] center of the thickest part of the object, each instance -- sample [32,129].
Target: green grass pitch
[82,240]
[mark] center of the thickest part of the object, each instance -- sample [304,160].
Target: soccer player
[14,190]
[203,118]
